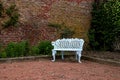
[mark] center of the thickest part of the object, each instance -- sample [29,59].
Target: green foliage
[10,49]
[10,10]
[0,47]
[11,15]
[3,55]
[66,33]
[24,48]
[34,51]
[21,49]
[1,9]
[45,47]
[2,50]
[12,21]
[17,49]
[63,30]
[105,25]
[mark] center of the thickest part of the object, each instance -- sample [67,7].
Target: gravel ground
[60,70]
[114,56]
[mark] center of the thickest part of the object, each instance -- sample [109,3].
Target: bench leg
[62,52]
[79,56]
[53,54]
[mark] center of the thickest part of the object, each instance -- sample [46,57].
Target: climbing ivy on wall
[8,16]
[64,32]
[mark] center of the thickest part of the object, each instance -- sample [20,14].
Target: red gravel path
[59,70]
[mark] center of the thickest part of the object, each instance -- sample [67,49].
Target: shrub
[34,51]
[23,49]
[45,47]
[10,49]
[0,47]
[3,55]
[17,49]
[1,9]
[105,26]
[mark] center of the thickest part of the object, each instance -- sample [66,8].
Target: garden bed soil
[113,56]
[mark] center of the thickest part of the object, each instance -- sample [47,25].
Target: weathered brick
[36,14]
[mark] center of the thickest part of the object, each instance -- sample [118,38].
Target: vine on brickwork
[63,30]
[8,16]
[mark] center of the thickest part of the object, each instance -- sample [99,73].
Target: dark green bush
[1,9]
[45,47]
[10,50]
[3,55]
[34,51]
[105,26]
[0,47]
[17,49]
[23,49]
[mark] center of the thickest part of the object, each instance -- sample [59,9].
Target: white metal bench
[68,45]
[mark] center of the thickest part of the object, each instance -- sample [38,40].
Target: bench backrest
[68,44]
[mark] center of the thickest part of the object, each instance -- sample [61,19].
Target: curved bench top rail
[68,44]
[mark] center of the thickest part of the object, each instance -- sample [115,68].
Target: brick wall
[36,14]
[33,35]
